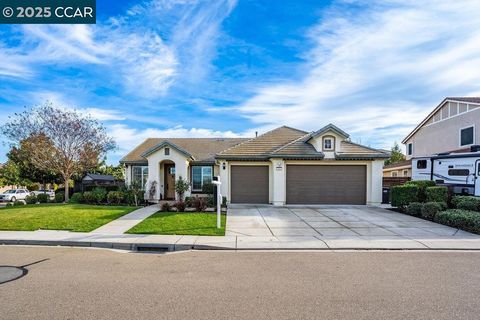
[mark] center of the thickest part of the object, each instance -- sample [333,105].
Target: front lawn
[72,217]
[183,223]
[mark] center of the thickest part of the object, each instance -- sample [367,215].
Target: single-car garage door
[326,184]
[249,184]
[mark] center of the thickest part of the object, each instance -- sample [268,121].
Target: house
[282,166]
[450,127]
[91,180]
[402,169]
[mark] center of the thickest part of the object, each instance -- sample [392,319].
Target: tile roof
[264,144]
[352,150]
[330,127]
[202,149]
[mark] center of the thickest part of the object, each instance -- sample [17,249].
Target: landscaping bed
[181,223]
[71,217]
[425,200]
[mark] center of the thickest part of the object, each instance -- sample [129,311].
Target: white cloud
[383,67]
[127,138]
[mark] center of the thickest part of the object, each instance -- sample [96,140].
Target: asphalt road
[102,284]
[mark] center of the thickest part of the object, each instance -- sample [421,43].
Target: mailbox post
[217,183]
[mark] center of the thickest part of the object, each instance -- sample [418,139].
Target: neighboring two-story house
[453,126]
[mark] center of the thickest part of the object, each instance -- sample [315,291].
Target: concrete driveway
[338,225]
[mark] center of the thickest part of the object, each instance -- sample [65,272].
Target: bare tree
[59,140]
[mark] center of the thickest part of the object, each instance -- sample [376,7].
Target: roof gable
[327,128]
[470,100]
[163,144]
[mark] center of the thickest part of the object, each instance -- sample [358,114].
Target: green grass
[183,223]
[72,217]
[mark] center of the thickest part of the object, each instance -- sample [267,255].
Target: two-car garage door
[326,184]
[305,184]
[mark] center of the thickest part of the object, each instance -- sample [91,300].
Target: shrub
[430,210]
[18,203]
[115,197]
[188,201]
[181,186]
[466,203]
[200,204]
[43,198]
[31,199]
[224,201]
[437,194]
[180,205]
[422,188]
[415,208]
[77,197]
[166,207]
[461,219]
[209,200]
[59,197]
[88,197]
[402,196]
[99,195]
[207,188]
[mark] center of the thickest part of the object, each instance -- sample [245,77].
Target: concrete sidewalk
[128,221]
[177,243]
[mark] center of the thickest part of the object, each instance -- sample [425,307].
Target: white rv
[459,171]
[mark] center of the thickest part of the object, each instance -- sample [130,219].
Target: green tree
[59,140]
[396,155]
[10,175]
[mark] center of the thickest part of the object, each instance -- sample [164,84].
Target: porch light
[223,166]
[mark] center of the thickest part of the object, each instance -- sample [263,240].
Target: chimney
[256,134]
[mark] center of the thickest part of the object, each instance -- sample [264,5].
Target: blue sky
[185,68]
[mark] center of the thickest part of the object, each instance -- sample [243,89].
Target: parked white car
[14,195]
[49,192]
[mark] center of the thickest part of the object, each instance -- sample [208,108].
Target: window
[140,175]
[422,164]
[405,173]
[167,151]
[410,148]
[458,172]
[394,174]
[200,176]
[466,136]
[328,144]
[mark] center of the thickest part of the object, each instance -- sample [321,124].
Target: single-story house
[91,180]
[282,166]
[402,169]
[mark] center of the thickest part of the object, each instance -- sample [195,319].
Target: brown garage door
[249,184]
[326,184]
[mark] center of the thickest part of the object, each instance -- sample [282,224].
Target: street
[73,283]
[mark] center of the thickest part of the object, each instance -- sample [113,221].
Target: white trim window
[140,175]
[410,148]
[467,136]
[394,174]
[328,143]
[200,176]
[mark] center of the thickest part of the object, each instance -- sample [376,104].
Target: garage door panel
[249,184]
[326,184]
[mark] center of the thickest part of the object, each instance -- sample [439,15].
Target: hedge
[403,195]
[43,198]
[467,203]
[461,219]
[59,197]
[415,209]
[437,194]
[77,197]
[422,188]
[431,209]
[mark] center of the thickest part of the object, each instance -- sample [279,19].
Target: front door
[169,181]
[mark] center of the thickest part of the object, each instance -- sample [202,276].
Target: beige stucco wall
[444,135]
